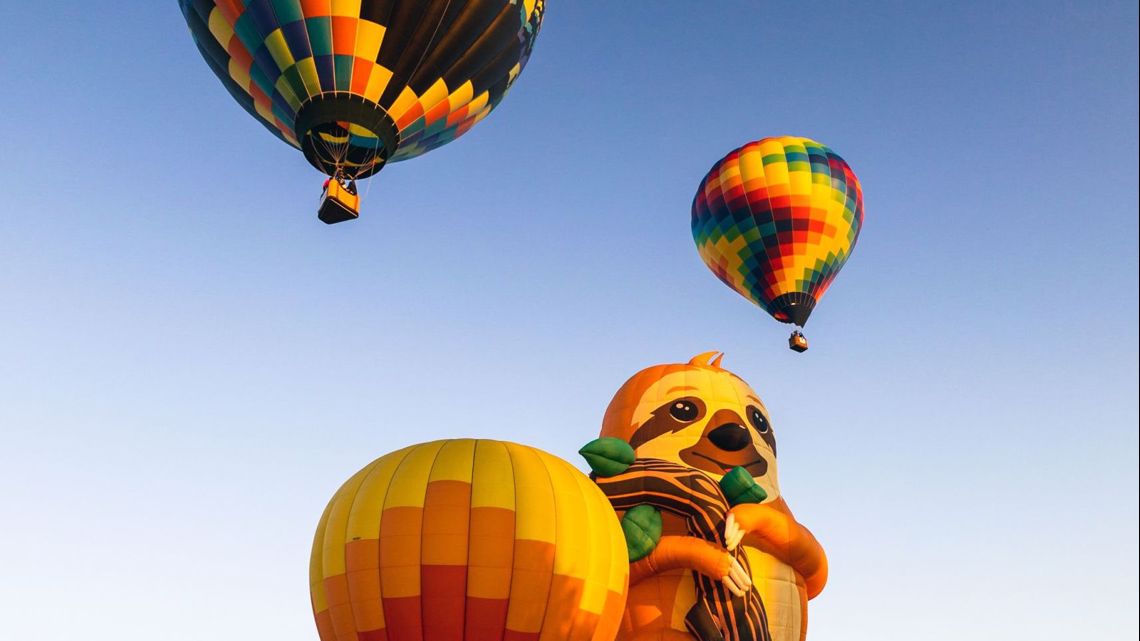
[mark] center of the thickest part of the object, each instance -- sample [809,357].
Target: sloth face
[700,416]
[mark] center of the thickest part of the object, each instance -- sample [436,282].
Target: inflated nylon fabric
[437,67]
[776,218]
[468,540]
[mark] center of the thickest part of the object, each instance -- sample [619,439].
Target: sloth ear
[707,359]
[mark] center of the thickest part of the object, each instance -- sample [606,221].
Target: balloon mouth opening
[794,308]
[345,135]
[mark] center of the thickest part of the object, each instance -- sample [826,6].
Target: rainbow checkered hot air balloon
[776,220]
[469,540]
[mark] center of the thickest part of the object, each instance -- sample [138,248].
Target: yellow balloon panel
[468,540]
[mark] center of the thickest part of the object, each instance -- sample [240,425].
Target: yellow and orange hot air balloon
[468,540]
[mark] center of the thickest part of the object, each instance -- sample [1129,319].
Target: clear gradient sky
[190,363]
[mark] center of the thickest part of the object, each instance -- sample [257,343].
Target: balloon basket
[338,204]
[797,342]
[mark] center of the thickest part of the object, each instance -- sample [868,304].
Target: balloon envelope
[357,83]
[776,220]
[678,418]
[468,540]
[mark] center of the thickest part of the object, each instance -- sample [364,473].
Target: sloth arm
[682,553]
[683,492]
[778,533]
[701,503]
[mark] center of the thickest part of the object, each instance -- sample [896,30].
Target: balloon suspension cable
[327,147]
[375,156]
[367,189]
[336,152]
[338,146]
[339,153]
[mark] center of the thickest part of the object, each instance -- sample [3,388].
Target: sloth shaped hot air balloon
[355,84]
[776,220]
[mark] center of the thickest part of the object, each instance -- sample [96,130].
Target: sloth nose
[730,437]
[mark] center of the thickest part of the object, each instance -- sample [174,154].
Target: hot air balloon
[688,454]
[355,84]
[776,220]
[468,540]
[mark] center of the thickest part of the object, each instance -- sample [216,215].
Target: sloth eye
[756,417]
[685,410]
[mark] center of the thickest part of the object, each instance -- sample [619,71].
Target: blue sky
[190,363]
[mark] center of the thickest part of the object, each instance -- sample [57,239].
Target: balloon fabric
[358,83]
[776,220]
[468,540]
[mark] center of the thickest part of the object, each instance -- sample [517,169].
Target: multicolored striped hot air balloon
[358,83]
[468,540]
[776,220]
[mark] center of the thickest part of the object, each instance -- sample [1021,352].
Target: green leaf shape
[642,528]
[608,456]
[739,487]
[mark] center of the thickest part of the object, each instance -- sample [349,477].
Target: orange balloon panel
[468,540]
